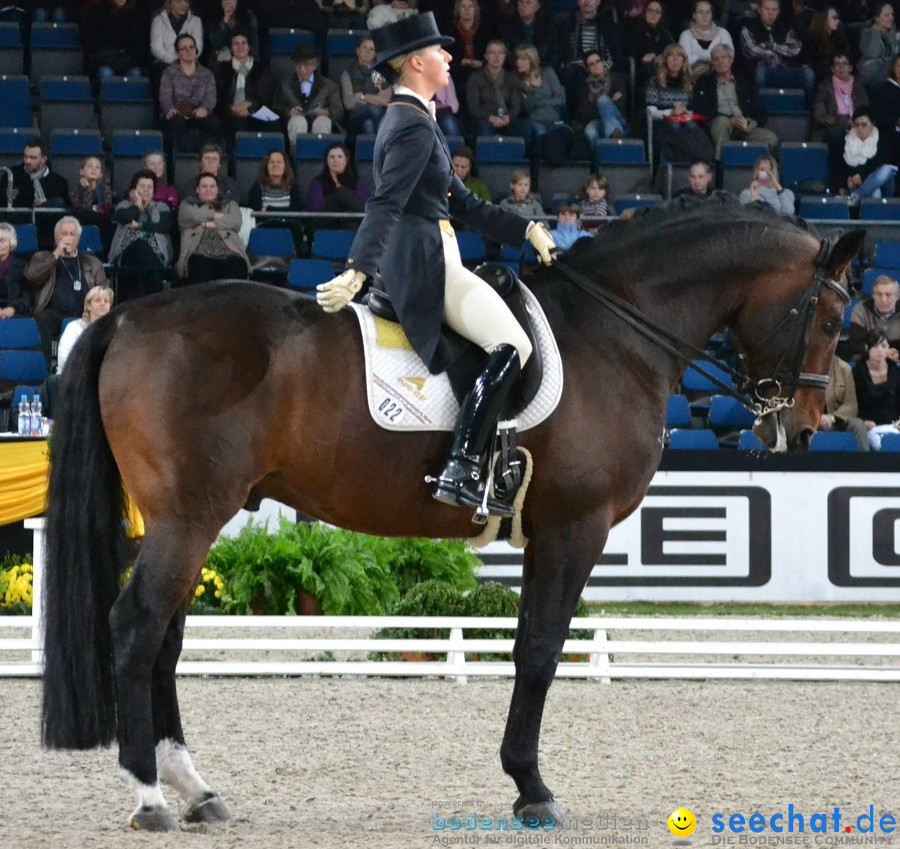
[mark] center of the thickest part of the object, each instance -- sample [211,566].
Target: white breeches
[474,310]
[300,124]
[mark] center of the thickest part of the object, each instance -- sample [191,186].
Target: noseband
[764,397]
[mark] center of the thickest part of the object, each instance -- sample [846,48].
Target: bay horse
[203,400]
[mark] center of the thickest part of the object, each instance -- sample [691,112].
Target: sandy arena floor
[345,763]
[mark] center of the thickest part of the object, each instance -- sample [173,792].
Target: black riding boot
[463,480]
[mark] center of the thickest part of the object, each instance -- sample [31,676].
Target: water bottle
[37,418]
[24,416]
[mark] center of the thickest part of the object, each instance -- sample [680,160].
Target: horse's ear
[848,246]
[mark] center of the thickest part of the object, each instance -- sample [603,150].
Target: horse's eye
[829,327]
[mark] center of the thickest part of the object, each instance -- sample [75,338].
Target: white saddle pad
[404,395]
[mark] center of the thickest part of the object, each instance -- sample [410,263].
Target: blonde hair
[773,166]
[662,75]
[96,292]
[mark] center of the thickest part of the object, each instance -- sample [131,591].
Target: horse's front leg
[174,766]
[556,568]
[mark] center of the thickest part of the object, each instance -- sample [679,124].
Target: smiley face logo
[682,822]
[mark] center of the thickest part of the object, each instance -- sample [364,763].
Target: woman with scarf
[867,169]
[470,35]
[142,244]
[220,29]
[243,86]
[701,36]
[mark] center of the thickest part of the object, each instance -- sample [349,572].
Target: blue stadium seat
[19,333]
[782,100]
[332,244]
[340,50]
[870,275]
[890,442]
[23,366]
[799,161]
[282,42]
[728,413]
[55,49]
[788,116]
[848,311]
[620,152]
[678,412]
[125,102]
[365,153]
[68,149]
[128,150]
[249,149]
[11,50]
[623,202]
[693,381]
[741,153]
[702,439]
[833,440]
[499,149]
[26,235]
[825,208]
[66,102]
[471,246]
[306,274]
[887,254]
[271,241]
[309,156]
[879,209]
[91,241]
[749,441]
[15,95]
[20,392]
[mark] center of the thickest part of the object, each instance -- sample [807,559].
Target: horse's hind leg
[556,568]
[200,803]
[147,627]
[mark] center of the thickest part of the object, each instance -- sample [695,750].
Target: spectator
[337,188]
[15,300]
[115,39]
[470,39]
[276,190]
[544,104]
[598,103]
[33,183]
[211,161]
[648,36]
[766,189]
[234,17]
[877,383]
[567,230]
[187,98]
[155,161]
[699,39]
[293,14]
[142,245]
[97,303]
[669,100]
[91,197]
[211,246]
[700,182]
[345,14]
[841,408]
[308,101]
[388,12]
[493,97]
[174,20]
[823,41]
[878,44]
[836,99]
[59,280]
[446,109]
[243,85]
[867,169]
[463,161]
[520,199]
[596,202]
[730,104]
[584,30]
[772,48]
[364,91]
[888,110]
[878,312]
[532,25]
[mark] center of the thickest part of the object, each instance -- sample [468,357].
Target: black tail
[85,552]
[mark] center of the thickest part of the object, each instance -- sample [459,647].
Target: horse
[200,401]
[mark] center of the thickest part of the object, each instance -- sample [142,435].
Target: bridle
[766,396]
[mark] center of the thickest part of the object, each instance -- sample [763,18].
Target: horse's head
[789,341]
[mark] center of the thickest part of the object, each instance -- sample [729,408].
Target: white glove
[543,243]
[334,295]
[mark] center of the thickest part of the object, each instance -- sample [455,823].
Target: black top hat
[406,36]
[304,53]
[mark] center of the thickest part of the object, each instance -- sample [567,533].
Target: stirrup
[460,485]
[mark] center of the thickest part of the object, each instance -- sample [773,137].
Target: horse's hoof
[540,814]
[209,809]
[148,818]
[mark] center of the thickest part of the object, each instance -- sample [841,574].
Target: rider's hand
[542,241]
[334,295]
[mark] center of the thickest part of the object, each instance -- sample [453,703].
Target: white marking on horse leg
[148,795]
[780,436]
[175,768]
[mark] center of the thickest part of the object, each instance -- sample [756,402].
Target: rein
[755,394]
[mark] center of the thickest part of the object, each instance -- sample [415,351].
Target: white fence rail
[621,647]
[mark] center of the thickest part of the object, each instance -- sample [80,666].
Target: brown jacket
[840,396]
[40,273]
